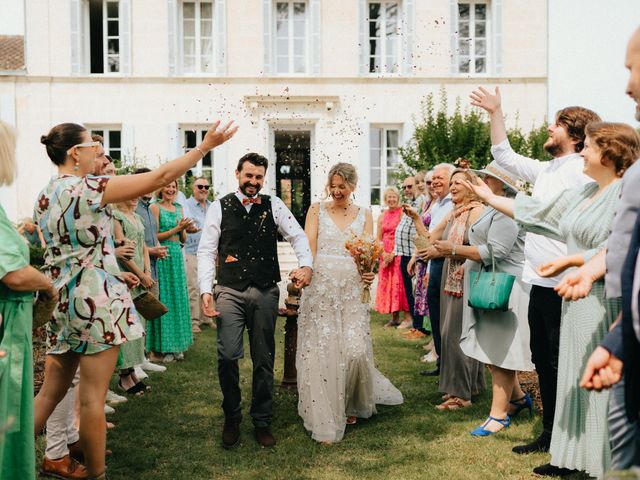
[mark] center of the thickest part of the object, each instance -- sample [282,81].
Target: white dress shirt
[440,209]
[548,179]
[287,225]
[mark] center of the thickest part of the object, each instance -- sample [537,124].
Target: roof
[11,53]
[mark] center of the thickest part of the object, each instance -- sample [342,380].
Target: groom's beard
[245,186]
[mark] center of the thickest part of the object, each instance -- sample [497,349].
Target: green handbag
[490,290]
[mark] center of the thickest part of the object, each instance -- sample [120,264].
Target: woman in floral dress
[171,334]
[94,313]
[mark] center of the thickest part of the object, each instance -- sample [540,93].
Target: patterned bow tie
[248,200]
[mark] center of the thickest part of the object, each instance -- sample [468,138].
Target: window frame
[291,38]
[199,168]
[399,43]
[489,39]
[383,167]
[104,130]
[198,71]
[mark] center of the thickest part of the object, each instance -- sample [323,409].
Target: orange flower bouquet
[365,251]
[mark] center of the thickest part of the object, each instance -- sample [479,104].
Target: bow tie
[248,200]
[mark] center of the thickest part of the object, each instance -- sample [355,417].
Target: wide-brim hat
[496,171]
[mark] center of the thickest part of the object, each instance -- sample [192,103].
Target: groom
[239,240]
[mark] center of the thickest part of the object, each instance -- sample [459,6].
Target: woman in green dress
[581,217]
[17,282]
[169,336]
[128,226]
[94,313]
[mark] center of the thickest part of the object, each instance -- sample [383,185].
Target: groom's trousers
[257,310]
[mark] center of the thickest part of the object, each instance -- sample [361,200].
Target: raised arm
[492,104]
[126,187]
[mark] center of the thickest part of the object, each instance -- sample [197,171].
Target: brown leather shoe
[230,433]
[264,436]
[65,467]
[75,452]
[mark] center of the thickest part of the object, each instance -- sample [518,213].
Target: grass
[174,431]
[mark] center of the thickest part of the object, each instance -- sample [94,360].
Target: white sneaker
[140,373]
[108,410]
[114,399]
[152,367]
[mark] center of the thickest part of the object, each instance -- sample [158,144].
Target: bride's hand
[368,278]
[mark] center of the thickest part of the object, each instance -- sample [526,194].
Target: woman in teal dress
[128,225]
[94,313]
[17,281]
[169,336]
[581,217]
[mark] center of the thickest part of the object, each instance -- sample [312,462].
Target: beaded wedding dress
[336,373]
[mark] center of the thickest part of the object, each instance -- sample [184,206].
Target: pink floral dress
[95,311]
[390,296]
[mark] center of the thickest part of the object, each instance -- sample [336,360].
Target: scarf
[458,226]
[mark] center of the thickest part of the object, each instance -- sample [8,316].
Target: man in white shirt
[240,232]
[564,171]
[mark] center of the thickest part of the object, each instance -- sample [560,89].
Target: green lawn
[174,431]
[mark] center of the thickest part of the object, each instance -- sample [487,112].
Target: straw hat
[496,171]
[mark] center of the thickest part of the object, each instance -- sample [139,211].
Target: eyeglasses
[404,187]
[428,182]
[203,187]
[94,145]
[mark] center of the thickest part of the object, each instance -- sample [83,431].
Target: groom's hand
[209,305]
[301,276]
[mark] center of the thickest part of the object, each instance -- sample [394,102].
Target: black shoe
[264,436]
[540,444]
[231,433]
[549,470]
[430,373]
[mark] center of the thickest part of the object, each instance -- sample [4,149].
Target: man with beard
[564,171]
[240,231]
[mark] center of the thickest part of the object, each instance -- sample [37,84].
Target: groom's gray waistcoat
[248,249]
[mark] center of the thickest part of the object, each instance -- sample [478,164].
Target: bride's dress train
[336,373]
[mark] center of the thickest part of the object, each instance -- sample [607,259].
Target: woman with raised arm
[94,314]
[582,217]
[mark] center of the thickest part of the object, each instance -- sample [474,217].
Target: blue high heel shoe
[483,432]
[528,404]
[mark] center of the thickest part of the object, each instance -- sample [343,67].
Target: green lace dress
[132,352]
[171,333]
[17,457]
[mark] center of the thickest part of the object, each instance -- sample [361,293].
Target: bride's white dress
[336,373]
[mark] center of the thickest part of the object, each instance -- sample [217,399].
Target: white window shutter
[407,36]
[125,37]
[453,22]
[363,15]
[76,37]
[496,15]
[128,145]
[220,19]
[316,36]
[267,44]
[173,33]
[363,190]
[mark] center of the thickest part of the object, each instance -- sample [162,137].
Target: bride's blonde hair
[346,171]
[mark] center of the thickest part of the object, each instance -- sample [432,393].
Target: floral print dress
[95,311]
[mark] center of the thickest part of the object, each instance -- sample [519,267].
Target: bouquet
[365,251]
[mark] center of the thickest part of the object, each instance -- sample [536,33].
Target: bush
[443,138]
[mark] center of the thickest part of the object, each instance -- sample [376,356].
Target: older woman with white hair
[17,282]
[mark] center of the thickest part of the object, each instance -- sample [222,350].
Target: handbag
[490,290]
[149,306]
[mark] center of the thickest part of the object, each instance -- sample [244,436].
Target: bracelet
[200,150]
[453,251]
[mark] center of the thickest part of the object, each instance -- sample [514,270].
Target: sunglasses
[93,145]
[405,187]
[429,182]
[203,187]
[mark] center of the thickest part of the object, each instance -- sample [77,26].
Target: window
[384,143]
[291,37]
[104,36]
[191,137]
[384,41]
[197,37]
[472,37]
[112,141]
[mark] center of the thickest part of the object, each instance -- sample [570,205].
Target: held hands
[217,136]
[130,279]
[484,99]
[554,267]
[443,247]
[603,370]
[301,277]
[428,253]
[368,278]
[209,305]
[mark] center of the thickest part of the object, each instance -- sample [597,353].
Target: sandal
[351,420]
[138,389]
[454,403]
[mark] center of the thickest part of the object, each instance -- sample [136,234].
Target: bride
[337,380]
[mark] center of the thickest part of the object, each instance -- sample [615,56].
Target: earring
[76,167]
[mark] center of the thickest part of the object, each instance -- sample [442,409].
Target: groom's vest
[248,249]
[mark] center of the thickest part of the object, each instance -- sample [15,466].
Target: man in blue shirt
[196,208]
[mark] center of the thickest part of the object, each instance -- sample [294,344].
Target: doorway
[293,170]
